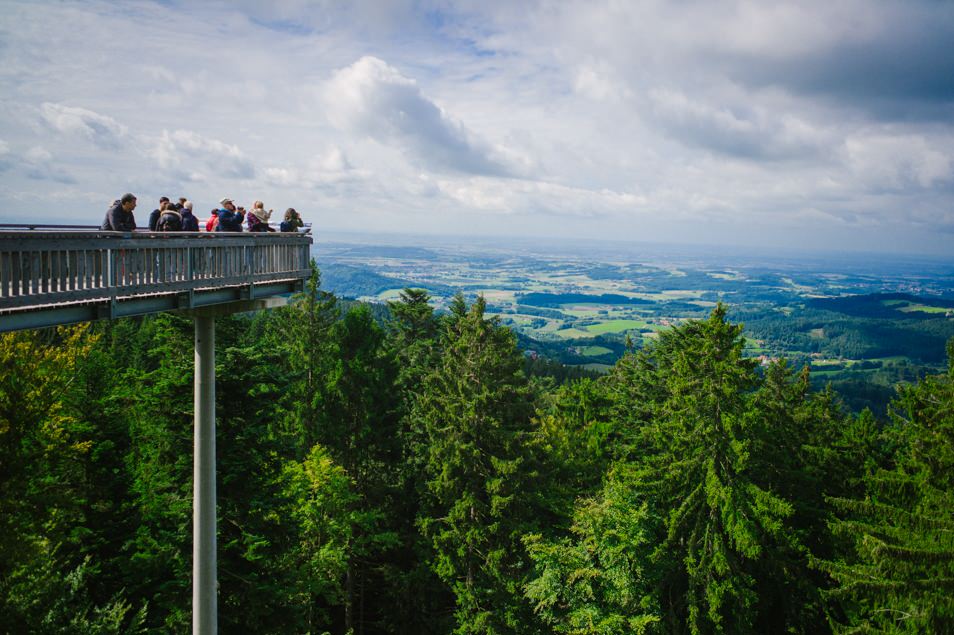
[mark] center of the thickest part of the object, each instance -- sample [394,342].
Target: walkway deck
[55,277]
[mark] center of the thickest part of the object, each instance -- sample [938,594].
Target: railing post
[204,592]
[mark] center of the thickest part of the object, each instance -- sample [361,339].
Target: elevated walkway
[59,276]
[62,275]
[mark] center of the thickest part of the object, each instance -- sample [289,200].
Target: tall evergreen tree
[685,403]
[900,576]
[419,598]
[476,409]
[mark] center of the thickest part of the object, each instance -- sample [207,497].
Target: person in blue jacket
[189,222]
[230,219]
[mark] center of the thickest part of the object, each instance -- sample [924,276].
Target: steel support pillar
[204,583]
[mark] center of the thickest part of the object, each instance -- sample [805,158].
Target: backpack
[169,221]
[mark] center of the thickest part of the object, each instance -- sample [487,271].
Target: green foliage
[899,577]
[475,408]
[596,583]
[318,500]
[407,477]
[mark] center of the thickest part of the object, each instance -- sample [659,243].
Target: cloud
[742,132]
[900,161]
[39,164]
[595,117]
[893,60]
[321,172]
[104,132]
[375,100]
[513,196]
[190,156]
[5,159]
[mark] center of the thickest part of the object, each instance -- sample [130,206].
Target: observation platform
[58,275]
[66,274]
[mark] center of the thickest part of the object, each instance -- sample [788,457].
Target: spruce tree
[899,576]
[476,408]
[685,403]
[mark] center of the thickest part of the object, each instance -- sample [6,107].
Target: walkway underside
[110,308]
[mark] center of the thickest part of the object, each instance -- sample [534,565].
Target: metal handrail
[306,228]
[62,266]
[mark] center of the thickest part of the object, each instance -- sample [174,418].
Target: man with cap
[119,216]
[230,220]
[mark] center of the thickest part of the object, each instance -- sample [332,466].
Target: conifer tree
[419,599]
[685,403]
[358,426]
[476,408]
[900,576]
[598,581]
[307,324]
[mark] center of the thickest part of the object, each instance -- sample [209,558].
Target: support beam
[204,582]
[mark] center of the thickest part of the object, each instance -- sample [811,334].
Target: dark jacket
[291,225]
[169,221]
[229,221]
[118,220]
[154,219]
[189,222]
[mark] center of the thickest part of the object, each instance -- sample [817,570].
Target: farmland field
[615,326]
[852,322]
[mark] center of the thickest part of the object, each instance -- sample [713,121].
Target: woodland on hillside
[410,477]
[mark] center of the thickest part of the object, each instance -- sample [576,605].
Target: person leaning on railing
[292,221]
[119,216]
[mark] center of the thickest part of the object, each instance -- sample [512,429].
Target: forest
[403,472]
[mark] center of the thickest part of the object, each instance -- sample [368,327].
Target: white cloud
[325,171]
[190,156]
[742,131]
[39,164]
[374,99]
[533,197]
[101,130]
[5,162]
[900,160]
[597,117]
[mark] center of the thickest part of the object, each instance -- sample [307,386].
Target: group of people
[177,216]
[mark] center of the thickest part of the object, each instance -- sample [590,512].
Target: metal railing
[64,266]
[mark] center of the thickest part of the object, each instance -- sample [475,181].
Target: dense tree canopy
[408,477]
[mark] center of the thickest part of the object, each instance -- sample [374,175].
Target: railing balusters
[53,267]
[4,275]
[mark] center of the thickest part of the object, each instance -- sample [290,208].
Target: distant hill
[885,305]
[355,282]
[387,251]
[558,299]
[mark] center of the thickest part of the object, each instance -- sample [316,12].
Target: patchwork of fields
[865,322]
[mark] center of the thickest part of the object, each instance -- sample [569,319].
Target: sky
[809,125]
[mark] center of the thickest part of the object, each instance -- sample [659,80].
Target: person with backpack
[230,219]
[170,220]
[156,213]
[189,222]
[291,222]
